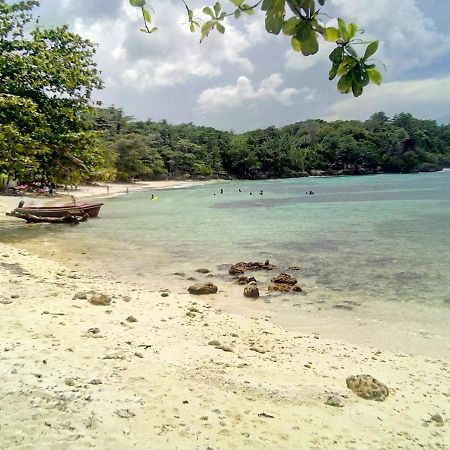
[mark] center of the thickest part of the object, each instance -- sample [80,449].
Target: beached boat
[91,209]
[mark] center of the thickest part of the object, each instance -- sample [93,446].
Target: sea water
[365,240]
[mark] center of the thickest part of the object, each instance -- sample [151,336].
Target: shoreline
[142,371]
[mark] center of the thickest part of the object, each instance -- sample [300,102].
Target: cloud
[245,94]
[428,98]
[408,38]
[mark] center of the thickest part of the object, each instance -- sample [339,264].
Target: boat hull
[92,210]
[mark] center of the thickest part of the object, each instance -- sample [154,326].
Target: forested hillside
[153,150]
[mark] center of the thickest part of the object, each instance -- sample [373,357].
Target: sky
[248,79]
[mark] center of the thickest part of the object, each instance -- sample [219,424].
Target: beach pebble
[251,291]
[69,381]
[80,296]
[258,350]
[164,294]
[100,300]
[214,343]
[343,307]
[131,319]
[334,400]
[203,270]
[367,387]
[124,413]
[202,288]
[14,296]
[95,381]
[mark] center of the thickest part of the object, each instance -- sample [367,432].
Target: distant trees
[151,150]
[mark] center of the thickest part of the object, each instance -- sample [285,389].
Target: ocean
[373,242]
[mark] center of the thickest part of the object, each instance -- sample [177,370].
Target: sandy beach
[162,369]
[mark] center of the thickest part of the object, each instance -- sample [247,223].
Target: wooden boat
[38,219]
[91,209]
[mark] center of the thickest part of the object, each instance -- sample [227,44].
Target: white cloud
[408,38]
[427,98]
[245,94]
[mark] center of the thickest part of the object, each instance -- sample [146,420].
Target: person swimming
[221,191]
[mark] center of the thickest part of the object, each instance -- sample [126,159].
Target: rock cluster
[284,283]
[241,267]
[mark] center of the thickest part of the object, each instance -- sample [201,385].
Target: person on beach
[127,190]
[107,189]
[221,191]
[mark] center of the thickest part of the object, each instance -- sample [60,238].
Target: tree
[302,21]
[46,80]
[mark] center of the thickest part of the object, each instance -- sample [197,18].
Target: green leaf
[357,88]
[275,19]
[375,76]
[248,9]
[206,28]
[290,25]
[342,29]
[296,44]
[344,84]
[331,34]
[220,28]
[370,50]
[346,65]
[237,14]
[137,3]
[310,46]
[147,16]
[351,30]
[192,28]
[190,14]
[238,2]
[217,8]
[208,11]
[333,72]
[336,55]
[268,4]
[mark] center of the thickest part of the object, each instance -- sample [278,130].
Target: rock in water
[251,291]
[203,270]
[368,387]
[241,267]
[202,289]
[284,278]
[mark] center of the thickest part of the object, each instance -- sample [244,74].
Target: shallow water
[368,240]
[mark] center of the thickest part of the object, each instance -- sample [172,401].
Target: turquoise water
[382,236]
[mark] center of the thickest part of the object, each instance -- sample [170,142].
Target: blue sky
[248,79]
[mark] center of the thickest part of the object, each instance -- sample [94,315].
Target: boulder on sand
[251,291]
[366,386]
[202,289]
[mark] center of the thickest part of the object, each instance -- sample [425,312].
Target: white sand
[64,387]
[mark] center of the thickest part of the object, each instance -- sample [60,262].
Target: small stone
[164,294]
[343,307]
[69,381]
[203,270]
[100,300]
[294,268]
[334,400]
[204,418]
[80,296]
[139,355]
[214,343]
[131,319]
[95,381]
[202,289]
[5,302]
[93,330]
[225,348]
[14,296]
[257,350]
[437,419]
[124,413]
[179,274]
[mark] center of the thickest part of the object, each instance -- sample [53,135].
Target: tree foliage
[152,150]
[46,80]
[303,22]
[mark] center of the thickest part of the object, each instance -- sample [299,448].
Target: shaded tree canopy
[47,77]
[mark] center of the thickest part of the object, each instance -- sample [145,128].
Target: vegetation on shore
[152,150]
[50,132]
